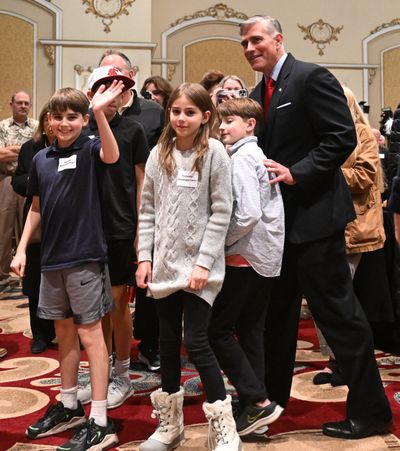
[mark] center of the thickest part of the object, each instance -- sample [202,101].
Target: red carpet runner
[28,383]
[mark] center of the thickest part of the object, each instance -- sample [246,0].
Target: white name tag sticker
[187,178]
[67,163]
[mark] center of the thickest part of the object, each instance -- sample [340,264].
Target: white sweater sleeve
[212,244]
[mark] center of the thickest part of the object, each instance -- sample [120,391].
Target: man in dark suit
[308,134]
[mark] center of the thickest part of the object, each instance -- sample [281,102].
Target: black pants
[319,270]
[196,314]
[146,327]
[236,331]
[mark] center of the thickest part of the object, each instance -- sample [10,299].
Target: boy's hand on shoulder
[103,97]
[198,279]
[18,264]
[143,274]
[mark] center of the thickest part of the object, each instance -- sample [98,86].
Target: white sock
[69,397]
[121,368]
[98,412]
[110,366]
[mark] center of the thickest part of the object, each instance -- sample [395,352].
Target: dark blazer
[310,130]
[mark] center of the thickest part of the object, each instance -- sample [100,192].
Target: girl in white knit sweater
[185,213]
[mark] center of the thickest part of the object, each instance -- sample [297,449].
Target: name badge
[67,163]
[187,178]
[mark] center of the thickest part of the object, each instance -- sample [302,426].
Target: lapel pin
[280,89]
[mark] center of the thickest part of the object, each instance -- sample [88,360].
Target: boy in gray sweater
[254,248]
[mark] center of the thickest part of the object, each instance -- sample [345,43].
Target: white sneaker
[119,389]
[85,392]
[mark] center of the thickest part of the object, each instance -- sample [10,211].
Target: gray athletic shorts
[82,292]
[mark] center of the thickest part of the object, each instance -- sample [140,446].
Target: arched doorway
[381,87]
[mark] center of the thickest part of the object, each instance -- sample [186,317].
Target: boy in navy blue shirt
[75,288]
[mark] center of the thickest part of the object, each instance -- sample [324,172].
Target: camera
[146,94]
[385,121]
[227,94]
[364,106]
[386,112]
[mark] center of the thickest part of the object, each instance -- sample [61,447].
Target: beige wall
[358,18]
[78,25]
[39,82]
[17,75]
[149,19]
[72,23]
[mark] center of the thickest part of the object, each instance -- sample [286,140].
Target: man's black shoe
[357,428]
[337,379]
[323,377]
[38,345]
[150,356]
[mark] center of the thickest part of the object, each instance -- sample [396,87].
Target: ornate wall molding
[107,10]
[320,33]
[117,44]
[50,52]
[218,11]
[371,75]
[393,23]
[171,71]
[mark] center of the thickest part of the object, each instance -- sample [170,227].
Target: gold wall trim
[50,52]
[393,23]
[107,10]
[320,33]
[171,71]
[218,11]
[94,44]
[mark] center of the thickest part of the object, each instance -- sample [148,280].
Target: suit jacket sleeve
[329,115]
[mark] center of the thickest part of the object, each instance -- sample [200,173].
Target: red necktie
[269,89]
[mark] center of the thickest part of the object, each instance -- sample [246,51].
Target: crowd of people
[224,208]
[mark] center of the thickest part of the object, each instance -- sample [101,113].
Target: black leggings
[196,313]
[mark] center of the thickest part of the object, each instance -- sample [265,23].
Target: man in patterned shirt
[14,131]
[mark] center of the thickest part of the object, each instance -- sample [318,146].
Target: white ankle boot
[168,410]
[222,434]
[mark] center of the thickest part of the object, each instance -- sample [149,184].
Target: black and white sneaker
[56,419]
[91,437]
[254,419]
[150,357]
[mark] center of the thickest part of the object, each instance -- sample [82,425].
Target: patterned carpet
[28,383]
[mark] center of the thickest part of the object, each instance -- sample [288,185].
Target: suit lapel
[280,87]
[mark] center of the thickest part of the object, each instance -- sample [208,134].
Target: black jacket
[310,130]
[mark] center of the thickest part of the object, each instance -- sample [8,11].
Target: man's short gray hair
[110,52]
[272,25]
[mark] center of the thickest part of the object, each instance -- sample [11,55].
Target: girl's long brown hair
[201,98]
